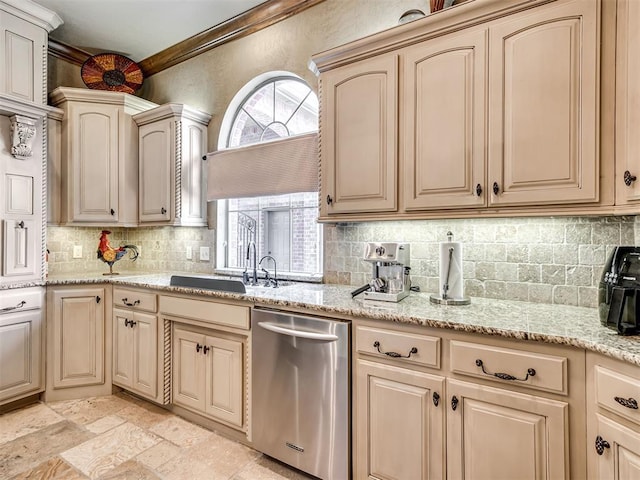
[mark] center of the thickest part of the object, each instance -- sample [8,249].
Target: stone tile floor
[122,437]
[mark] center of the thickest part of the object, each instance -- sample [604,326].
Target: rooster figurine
[110,255]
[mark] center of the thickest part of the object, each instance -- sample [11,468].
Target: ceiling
[138,29]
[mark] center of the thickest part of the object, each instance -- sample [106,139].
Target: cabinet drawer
[123,298]
[506,365]
[21,299]
[210,312]
[618,393]
[381,342]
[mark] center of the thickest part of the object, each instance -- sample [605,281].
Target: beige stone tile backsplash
[544,260]
[541,259]
[163,249]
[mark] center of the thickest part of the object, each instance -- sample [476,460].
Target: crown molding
[251,21]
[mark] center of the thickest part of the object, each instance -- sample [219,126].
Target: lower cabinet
[208,373]
[496,433]
[21,345]
[76,334]
[135,352]
[401,416]
[613,419]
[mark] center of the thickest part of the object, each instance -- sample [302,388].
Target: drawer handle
[601,444]
[505,376]
[413,350]
[129,323]
[126,300]
[8,309]
[631,403]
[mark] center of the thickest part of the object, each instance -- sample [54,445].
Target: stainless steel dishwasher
[300,391]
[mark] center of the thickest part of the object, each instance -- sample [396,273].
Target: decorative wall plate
[113,72]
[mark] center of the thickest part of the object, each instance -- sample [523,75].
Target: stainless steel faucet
[254,274]
[268,280]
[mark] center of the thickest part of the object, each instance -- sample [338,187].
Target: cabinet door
[188,369]
[19,252]
[444,120]
[145,351]
[156,152]
[20,353]
[224,399]
[78,337]
[399,423]
[192,209]
[23,48]
[543,97]
[92,144]
[498,434]
[123,359]
[627,98]
[359,137]
[617,449]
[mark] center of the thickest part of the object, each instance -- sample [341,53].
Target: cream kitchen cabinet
[627,95]
[24,29]
[208,374]
[138,344]
[613,421]
[500,111]
[77,355]
[99,157]
[209,371]
[543,97]
[399,412]
[21,343]
[359,118]
[173,180]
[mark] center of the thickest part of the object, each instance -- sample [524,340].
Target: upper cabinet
[24,28]
[496,104]
[173,180]
[359,137]
[98,160]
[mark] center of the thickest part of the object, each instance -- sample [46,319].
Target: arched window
[272,106]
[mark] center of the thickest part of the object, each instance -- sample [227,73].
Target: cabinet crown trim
[172,110]
[65,94]
[33,13]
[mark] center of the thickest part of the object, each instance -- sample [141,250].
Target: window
[273,106]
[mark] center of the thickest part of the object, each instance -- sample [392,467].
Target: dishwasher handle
[298,333]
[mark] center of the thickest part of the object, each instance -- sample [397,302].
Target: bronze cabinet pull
[628,178]
[631,403]
[478,190]
[413,350]
[496,188]
[454,403]
[436,398]
[8,309]
[505,376]
[601,444]
[126,302]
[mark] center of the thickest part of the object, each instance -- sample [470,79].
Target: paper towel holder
[443,298]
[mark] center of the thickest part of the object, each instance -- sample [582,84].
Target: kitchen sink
[208,283]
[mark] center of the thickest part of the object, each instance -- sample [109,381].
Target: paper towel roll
[455,290]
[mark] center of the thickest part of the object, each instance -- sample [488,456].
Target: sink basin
[208,283]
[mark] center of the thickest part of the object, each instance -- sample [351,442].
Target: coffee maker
[390,271]
[618,297]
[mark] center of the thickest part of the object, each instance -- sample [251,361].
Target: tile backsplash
[541,259]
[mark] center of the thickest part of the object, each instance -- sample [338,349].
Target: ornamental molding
[23,134]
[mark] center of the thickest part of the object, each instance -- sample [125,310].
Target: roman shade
[282,166]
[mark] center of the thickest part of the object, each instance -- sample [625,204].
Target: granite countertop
[565,325]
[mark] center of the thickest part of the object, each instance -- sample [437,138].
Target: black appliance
[618,293]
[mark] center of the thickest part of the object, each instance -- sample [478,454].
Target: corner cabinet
[173,180]
[77,354]
[98,158]
[501,110]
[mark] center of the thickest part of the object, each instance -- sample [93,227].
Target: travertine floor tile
[53,469]
[31,450]
[130,470]
[143,414]
[104,424]
[181,432]
[27,420]
[89,410]
[108,450]
[224,457]
[159,454]
[267,469]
